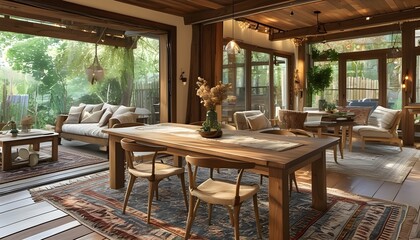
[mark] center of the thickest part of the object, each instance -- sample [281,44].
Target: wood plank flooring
[21,218]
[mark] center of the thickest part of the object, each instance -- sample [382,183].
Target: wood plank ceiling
[293,18]
[283,19]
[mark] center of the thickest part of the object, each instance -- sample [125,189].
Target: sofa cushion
[93,117]
[72,118]
[87,129]
[110,107]
[105,118]
[383,117]
[127,117]
[74,114]
[92,107]
[123,109]
[75,109]
[258,122]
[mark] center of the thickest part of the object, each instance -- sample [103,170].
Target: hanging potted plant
[319,78]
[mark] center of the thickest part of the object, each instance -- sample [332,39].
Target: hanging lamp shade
[95,72]
[232,47]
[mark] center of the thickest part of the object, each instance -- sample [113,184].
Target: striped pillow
[383,117]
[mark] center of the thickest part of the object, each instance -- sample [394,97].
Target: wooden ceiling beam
[353,24]
[11,25]
[59,11]
[242,9]
[351,34]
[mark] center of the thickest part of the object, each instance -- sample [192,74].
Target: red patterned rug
[67,159]
[348,217]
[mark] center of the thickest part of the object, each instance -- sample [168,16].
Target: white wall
[253,37]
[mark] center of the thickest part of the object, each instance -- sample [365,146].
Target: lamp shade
[232,47]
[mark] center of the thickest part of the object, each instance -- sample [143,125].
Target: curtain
[206,62]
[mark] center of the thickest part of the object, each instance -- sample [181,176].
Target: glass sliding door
[234,73]
[362,81]
[260,82]
[393,83]
[280,83]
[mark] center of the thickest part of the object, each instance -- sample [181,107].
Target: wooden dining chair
[153,171]
[220,192]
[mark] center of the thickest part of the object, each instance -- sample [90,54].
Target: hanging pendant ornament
[95,72]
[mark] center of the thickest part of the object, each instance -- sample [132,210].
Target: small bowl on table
[211,134]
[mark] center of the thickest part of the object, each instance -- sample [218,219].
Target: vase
[211,119]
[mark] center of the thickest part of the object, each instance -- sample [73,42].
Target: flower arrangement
[210,97]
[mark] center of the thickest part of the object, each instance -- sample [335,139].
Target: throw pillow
[123,109]
[74,115]
[72,118]
[93,117]
[78,109]
[110,107]
[382,117]
[92,107]
[105,118]
[127,117]
[258,122]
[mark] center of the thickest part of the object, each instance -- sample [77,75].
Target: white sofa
[86,122]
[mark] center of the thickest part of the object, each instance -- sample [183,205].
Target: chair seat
[221,192]
[161,170]
[372,131]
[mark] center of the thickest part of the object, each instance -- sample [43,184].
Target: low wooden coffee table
[34,138]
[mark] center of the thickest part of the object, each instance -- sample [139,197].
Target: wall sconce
[183,78]
[404,82]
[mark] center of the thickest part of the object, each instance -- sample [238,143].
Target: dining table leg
[116,163]
[319,182]
[278,198]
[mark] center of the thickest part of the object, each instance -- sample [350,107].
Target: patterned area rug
[380,162]
[90,200]
[67,159]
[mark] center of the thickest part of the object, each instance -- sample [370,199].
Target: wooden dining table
[276,156]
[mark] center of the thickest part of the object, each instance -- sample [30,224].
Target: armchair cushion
[240,118]
[371,131]
[383,117]
[258,122]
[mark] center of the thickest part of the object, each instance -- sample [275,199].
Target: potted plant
[319,78]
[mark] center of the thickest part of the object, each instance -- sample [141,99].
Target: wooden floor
[21,218]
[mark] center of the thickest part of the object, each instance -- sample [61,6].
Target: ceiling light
[320,28]
[232,47]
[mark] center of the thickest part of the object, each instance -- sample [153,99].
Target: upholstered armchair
[382,127]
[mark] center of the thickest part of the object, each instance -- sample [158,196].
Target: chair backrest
[385,118]
[130,146]
[240,121]
[194,163]
[292,119]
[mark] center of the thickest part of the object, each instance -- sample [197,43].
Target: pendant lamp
[232,47]
[95,72]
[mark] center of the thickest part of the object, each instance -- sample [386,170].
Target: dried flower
[210,97]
